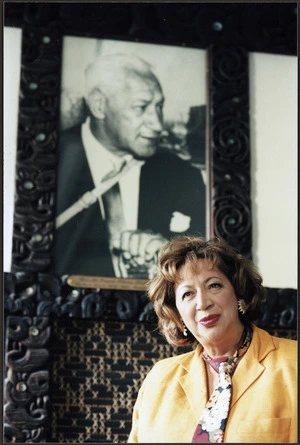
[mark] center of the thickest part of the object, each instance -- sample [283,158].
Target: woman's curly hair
[241,272]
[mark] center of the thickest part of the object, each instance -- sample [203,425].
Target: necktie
[115,221]
[212,423]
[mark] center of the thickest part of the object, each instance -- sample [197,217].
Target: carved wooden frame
[32,294]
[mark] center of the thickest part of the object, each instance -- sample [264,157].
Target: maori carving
[37,142]
[27,380]
[265,27]
[43,295]
[230,151]
[280,309]
[200,25]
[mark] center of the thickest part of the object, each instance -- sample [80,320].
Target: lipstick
[210,321]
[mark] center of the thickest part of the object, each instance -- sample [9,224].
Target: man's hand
[138,253]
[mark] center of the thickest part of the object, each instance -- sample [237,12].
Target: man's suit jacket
[167,184]
[264,396]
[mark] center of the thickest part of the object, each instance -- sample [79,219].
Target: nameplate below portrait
[107,282]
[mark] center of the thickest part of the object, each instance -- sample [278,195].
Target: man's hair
[108,72]
[241,272]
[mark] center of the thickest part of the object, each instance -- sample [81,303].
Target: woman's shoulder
[284,346]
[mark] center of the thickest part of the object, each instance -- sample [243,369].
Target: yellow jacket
[264,396]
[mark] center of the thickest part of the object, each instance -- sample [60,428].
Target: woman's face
[206,301]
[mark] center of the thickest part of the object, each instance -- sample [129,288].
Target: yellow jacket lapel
[194,383]
[250,368]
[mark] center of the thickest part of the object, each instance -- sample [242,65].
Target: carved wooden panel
[230,146]
[46,295]
[37,146]
[27,379]
[265,27]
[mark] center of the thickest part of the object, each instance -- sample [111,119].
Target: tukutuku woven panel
[96,371]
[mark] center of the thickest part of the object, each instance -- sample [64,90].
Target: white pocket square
[179,222]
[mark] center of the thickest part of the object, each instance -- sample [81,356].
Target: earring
[185,331]
[242,306]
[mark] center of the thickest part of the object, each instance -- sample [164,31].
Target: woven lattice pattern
[96,371]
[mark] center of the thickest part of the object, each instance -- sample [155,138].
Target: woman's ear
[96,102]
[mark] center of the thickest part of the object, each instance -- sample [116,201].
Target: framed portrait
[202,188]
[153,122]
[80,332]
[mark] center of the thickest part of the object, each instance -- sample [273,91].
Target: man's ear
[96,102]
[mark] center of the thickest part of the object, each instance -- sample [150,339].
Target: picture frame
[34,296]
[33,247]
[163,184]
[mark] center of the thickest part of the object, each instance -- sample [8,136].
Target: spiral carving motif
[229,96]
[229,65]
[231,141]
[232,218]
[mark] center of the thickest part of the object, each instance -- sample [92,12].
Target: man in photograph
[120,195]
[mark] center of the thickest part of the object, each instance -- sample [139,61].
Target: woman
[207,295]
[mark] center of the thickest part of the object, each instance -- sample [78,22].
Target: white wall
[273,111]
[273,126]
[11,82]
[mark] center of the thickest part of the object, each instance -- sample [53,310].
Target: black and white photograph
[132,154]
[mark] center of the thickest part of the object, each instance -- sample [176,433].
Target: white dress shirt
[102,162]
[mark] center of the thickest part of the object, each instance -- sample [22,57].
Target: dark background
[266,27]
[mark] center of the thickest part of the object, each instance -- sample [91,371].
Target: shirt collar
[102,162]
